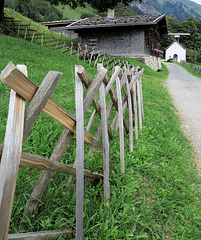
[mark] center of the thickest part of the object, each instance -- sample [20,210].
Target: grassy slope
[69,13]
[35,25]
[157,198]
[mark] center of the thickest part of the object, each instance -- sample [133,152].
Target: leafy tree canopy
[100,5]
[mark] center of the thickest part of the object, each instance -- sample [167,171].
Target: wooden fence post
[25,35]
[10,160]
[33,35]
[18,32]
[121,130]
[79,155]
[130,116]
[105,142]
[139,104]
[141,98]
[135,109]
[42,35]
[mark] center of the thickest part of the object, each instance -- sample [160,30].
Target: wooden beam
[42,163]
[130,116]
[39,100]
[50,235]
[113,93]
[16,80]
[105,145]
[58,152]
[121,130]
[79,155]
[86,80]
[10,160]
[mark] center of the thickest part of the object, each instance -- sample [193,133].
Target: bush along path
[159,195]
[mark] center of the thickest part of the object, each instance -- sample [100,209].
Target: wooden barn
[122,36]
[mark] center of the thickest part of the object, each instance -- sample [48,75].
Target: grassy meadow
[159,195]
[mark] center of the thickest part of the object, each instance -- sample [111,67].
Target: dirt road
[185,90]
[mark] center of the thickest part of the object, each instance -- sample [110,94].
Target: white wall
[175,48]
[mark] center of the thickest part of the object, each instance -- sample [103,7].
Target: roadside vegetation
[158,197]
[191,70]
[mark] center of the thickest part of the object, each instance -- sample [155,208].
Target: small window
[93,42]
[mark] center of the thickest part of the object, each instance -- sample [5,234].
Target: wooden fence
[89,55]
[192,66]
[128,94]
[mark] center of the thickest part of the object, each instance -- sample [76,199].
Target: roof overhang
[161,21]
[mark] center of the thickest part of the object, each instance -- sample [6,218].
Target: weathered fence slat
[139,105]
[36,161]
[59,150]
[85,79]
[135,109]
[105,141]
[105,145]
[141,98]
[130,116]
[39,100]
[79,155]
[50,235]
[26,88]
[10,160]
[121,130]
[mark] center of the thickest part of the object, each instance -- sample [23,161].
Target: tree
[2,2]
[100,5]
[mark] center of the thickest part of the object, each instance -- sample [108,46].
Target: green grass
[37,26]
[158,197]
[69,13]
[191,70]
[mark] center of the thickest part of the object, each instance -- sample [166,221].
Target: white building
[175,51]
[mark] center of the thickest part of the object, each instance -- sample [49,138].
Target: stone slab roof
[58,23]
[116,21]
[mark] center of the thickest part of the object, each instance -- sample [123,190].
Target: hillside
[41,11]
[159,195]
[179,9]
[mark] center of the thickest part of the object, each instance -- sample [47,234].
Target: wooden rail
[19,123]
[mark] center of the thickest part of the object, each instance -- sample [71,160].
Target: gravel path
[185,90]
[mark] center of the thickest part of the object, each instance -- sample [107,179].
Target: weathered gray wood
[92,53]
[85,79]
[33,36]
[39,100]
[42,163]
[46,235]
[25,35]
[95,63]
[112,79]
[113,96]
[141,97]
[79,155]
[93,115]
[139,104]
[18,32]
[26,88]
[58,152]
[85,52]
[135,109]
[130,117]
[121,130]
[105,145]
[11,159]
[45,176]
[115,121]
